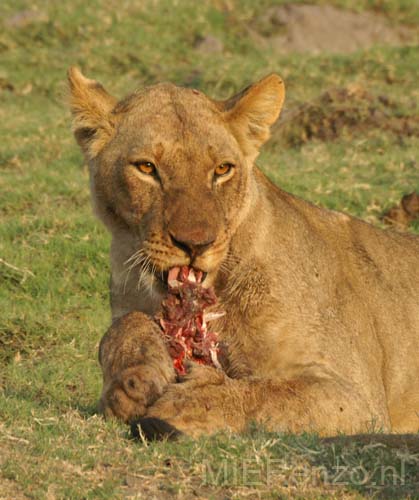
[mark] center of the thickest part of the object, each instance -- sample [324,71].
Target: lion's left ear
[251,112]
[91,106]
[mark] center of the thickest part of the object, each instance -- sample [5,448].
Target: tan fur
[322,309]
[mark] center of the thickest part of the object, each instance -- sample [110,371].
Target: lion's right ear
[91,107]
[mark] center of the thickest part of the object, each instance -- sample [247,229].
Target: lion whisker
[138,261]
[135,255]
[145,269]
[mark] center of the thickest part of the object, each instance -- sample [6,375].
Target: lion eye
[146,167]
[223,169]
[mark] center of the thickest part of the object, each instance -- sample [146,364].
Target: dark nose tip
[192,247]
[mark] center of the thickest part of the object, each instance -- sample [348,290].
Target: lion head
[172,166]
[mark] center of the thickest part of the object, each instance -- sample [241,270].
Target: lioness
[322,309]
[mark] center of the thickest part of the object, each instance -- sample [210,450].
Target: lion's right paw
[128,394]
[136,366]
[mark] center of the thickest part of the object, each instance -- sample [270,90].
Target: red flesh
[183,319]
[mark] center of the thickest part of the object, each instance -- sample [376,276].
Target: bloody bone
[184,321]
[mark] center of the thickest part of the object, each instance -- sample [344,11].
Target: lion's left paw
[201,404]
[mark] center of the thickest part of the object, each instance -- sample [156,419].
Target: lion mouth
[184,273]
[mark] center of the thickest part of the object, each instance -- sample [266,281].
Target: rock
[209,44]
[410,204]
[403,214]
[324,28]
[5,84]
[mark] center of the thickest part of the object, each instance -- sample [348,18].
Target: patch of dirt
[325,28]
[25,18]
[340,109]
[18,339]
[8,489]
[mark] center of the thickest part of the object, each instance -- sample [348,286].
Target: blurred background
[348,139]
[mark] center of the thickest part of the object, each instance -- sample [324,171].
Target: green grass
[54,255]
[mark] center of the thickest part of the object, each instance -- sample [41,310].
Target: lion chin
[322,311]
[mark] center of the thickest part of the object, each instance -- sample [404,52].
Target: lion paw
[129,394]
[136,367]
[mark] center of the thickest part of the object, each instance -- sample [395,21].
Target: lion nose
[193,247]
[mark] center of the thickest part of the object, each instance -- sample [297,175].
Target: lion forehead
[176,127]
[167,99]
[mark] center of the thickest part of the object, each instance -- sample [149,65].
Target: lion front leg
[136,366]
[205,401]
[208,401]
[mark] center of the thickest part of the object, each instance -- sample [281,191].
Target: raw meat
[184,321]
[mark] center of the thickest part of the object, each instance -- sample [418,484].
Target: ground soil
[338,110]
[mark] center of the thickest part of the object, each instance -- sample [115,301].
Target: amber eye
[146,167]
[223,169]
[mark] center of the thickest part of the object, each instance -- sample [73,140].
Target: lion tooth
[173,274]
[191,276]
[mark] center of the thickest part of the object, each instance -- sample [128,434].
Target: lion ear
[251,112]
[91,107]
